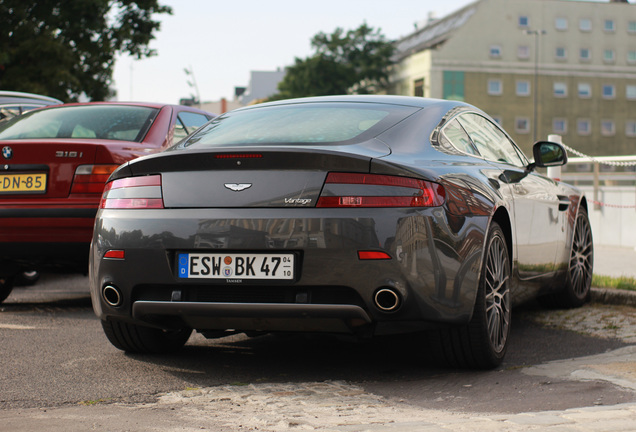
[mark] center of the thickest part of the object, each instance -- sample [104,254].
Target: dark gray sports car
[365,215]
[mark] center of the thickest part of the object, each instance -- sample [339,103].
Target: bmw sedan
[53,167]
[358,215]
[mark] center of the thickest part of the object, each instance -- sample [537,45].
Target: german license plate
[30,183]
[235,266]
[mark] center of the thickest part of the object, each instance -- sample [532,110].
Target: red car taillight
[373,190]
[90,179]
[133,193]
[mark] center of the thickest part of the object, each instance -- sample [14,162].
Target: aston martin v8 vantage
[362,215]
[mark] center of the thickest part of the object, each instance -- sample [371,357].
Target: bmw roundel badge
[7,152]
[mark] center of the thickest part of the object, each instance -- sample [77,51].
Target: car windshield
[309,123]
[110,122]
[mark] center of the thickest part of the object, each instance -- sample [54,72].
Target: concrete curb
[614,296]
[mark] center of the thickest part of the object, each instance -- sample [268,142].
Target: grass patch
[623,282]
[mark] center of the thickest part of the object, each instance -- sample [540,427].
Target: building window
[585,25]
[585,54]
[523,88]
[495,51]
[608,26]
[418,87]
[495,87]
[561,23]
[560,126]
[560,89]
[608,128]
[609,91]
[523,52]
[522,125]
[631,27]
[631,57]
[630,92]
[498,120]
[454,85]
[560,53]
[608,56]
[630,128]
[524,21]
[585,90]
[584,127]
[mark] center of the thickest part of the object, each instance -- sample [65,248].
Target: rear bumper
[253,317]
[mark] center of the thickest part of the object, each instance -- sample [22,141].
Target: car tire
[482,343]
[27,278]
[134,338]
[6,286]
[578,283]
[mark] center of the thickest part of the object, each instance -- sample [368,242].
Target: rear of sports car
[242,228]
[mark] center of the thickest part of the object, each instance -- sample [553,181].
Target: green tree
[63,48]
[355,61]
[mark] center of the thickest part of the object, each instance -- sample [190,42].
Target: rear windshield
[307,123]
[113,122]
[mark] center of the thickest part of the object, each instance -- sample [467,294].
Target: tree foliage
[63,48]
[355,61]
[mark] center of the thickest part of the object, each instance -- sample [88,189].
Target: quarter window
[458,138]
[491,142]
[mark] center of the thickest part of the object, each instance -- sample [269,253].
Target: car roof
[141,104]
[413,101]
[18,97]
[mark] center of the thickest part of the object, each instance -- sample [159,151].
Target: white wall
[613,226]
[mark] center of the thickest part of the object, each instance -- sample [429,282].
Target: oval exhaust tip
[112,296]
[387,300]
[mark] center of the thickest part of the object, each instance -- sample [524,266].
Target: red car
[53,165]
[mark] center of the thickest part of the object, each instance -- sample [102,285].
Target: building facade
[538,67]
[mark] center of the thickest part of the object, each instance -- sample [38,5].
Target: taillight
[90,179]
[133,193]
[373,190]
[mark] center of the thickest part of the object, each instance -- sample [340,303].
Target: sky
[221,41]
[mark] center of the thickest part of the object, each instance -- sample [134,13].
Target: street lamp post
[535,93]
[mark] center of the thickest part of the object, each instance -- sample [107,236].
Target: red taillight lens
[90,179]
[133,193]
[373,255]
[373,190]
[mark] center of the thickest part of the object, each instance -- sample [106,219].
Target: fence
[609,183]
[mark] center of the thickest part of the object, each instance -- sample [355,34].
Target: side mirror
[549,154]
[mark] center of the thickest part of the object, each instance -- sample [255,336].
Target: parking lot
[564,369]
